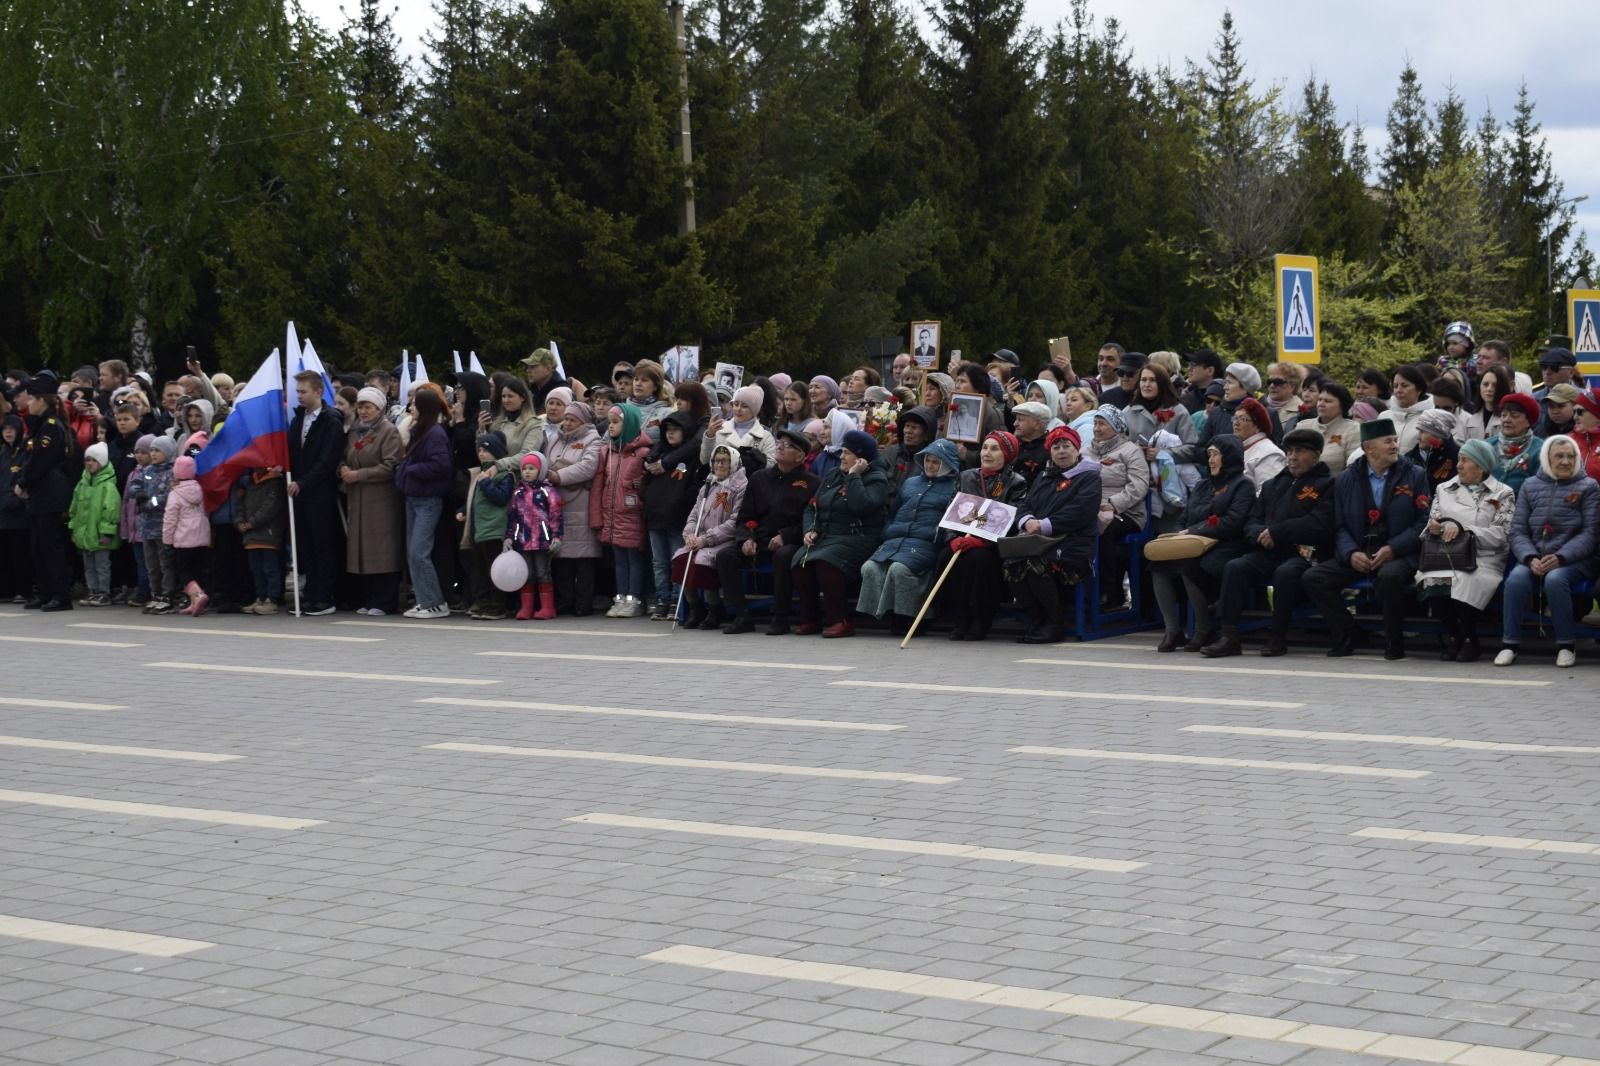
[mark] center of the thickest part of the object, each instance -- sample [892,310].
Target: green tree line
[198,173]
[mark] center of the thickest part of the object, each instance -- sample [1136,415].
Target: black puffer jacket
[669,495]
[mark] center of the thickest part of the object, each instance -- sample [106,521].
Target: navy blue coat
[1571,511]
[911,536]
[1402,511]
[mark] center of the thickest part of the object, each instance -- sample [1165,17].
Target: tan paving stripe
[340,675]
[59,705]
[1185,1019]
[70,643]
[1396,738]
[671,660]
[248,634]
[1201,667]
[684,716]
[116,749]
[861,843]
[156,810]
[1071,694]
[702,764]
[1474,840]
[88,936]
[1208,760]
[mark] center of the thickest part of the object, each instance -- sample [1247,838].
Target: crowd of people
[1439,486]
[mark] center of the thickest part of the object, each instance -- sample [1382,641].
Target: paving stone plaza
[282,842]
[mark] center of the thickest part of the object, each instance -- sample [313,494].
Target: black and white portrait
[965,425]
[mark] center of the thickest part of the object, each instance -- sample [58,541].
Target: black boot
[697,614]
[963,623]
[1227,645]
[741,624]
[1171,640]
[1345,642]
[1276,646]
[1201,639]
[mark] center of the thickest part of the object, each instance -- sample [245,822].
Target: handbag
[1026,545]
[1458,556]
[1171,547]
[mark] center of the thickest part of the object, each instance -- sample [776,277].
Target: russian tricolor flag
[255,434]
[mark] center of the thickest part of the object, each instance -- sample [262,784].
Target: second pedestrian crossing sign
[1583,326]
[1299,332]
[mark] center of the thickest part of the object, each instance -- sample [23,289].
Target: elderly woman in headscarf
[974,587]
[1436,449]
[1124,492]
[895,580]
[709,530]
[835,424]
[1555,531]
[1263,459]
[1471,504]
[841,526]
[555,409]
[825,395]
[1218,508]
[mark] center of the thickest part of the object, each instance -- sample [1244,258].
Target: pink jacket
[185,524]
[616,507]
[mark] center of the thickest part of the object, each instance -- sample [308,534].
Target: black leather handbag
[1458,556]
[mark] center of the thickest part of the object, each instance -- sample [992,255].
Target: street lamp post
[1550,262]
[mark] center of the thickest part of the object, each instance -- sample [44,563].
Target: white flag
[561,371]
[405,378]
[473,364]
[422,371]
[456,355]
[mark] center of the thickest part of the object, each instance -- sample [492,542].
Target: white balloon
[509,571]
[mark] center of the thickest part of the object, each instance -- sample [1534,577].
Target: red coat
[616,504]
[1589,448]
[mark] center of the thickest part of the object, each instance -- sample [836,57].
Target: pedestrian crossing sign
[1299,331]
[1583,326]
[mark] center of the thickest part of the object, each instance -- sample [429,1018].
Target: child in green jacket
[93,517]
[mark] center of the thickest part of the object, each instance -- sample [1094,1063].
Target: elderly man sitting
[1380,509]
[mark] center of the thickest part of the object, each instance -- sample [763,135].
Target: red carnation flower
[1213,521]
[1548,529]
[955,407]
[1374,514]
[1164,415]
[1515,449]
[752,524]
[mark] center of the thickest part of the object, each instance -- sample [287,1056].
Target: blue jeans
[265,573]
[1558,584]
[422,518]
[663,542]
[629,566]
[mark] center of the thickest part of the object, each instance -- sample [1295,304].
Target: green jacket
[490,494]
[96,511]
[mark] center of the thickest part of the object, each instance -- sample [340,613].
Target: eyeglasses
[1276,381]
[1127,373]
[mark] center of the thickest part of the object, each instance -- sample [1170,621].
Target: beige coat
[377,538]
[1484,510]
[1124,477]
[523,435]
[1341,440]
[574,461]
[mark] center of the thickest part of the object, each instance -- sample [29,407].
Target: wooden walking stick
[915,622]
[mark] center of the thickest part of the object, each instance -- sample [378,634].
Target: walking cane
[683,586]
[951,565]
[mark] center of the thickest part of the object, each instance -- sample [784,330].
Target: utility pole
[681,54]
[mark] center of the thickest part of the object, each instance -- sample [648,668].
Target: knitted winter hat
[751,396]
[1437,423]
[1362,411]
[373,396]
[1524,403]
[1258,413]
[861,445]
[1009,447]
[493,443]
[183,469]
[535,460]
[165,445]
[1480,453]
[98,452]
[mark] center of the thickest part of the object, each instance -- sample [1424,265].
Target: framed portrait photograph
[978,516]
[925,344]
[730,376]
[852,415]
[965,424]
[681,363]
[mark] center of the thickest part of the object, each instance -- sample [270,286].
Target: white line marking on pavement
[157,810]
[1135,697]
[1471,840]
[667,660]
[1396,738]
[702,764]
[1254,671]
[478,628]
[88,936]
[1207,760]
[60,705]
[685,716]
[71,643]
[1139,1012]
[843,840]
[250,634]
[288,671]
[115,749]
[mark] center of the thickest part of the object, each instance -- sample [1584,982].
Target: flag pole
[294,546]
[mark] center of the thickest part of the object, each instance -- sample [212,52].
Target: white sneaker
[376,612]
[632,608]
[416,612]
[440,611]
[1566,657]
[361,610]
[616,608]
[1506,657]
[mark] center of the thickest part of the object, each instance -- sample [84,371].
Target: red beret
[1061,433]
[1521,400]
[1257,412]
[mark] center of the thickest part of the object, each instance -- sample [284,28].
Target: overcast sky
[1486,50]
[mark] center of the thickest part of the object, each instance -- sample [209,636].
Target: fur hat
[1377,429]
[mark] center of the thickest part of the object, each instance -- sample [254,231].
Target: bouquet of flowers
[880,420]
